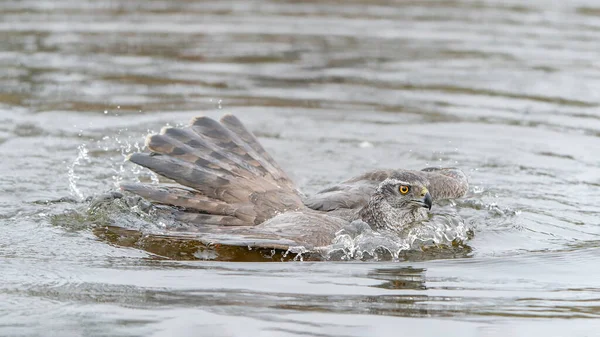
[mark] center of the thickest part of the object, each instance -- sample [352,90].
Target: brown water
[508,91]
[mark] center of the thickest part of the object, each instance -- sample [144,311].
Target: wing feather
[180,197]
[236,126]
[446,183]
[208,219]
[223,172]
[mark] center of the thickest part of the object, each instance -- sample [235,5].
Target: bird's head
[405,192]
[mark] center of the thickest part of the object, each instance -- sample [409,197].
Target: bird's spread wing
[225,176]
[442,183]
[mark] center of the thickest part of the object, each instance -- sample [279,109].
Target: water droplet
[73,177]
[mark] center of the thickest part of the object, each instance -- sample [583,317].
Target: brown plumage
[228,185]
[226,170]
[442,183]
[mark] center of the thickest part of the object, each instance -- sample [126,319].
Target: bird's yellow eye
[404,189]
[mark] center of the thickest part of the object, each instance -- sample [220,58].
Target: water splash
[105,158]
[82,156]
[298,250]
[124,146]
[358,241]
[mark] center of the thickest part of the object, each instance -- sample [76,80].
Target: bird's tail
[223,175]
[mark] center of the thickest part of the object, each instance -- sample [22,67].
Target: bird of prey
[224,182]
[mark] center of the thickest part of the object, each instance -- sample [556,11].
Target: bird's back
[353,194]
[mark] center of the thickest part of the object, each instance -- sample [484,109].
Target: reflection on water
[400,278]
[507,91]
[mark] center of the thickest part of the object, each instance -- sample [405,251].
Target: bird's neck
[379,214]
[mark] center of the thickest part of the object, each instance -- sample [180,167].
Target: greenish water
[508,91]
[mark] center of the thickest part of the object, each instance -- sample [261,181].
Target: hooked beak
[426,202]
